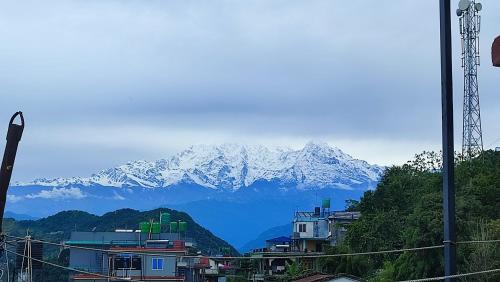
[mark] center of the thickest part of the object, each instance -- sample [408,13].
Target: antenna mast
[470,25]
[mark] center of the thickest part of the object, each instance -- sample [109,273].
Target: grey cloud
[364,70]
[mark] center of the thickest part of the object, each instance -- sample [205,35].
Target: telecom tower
[470,24]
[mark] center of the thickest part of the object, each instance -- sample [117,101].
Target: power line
[242,257]
[264,253]
[478,242]
[127,279]
[73,269]
[454,276]
[273,257]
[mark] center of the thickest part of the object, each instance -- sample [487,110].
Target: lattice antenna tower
[470,26]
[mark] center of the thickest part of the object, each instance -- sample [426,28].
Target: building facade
[136,256]
[313,231]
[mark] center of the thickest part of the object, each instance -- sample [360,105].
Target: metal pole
[450,267]
[13,137]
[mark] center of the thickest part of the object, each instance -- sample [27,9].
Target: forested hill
[59,226]
[406,211]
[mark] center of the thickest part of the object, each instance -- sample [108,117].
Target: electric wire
[454,276]
[260,253]
[478,242]
[7,260]
[74,269]
[241,257]
[299,256]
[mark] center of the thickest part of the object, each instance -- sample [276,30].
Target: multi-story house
[312,231]
[133,255]
[337,223]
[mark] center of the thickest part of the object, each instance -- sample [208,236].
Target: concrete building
[280,244]
[337,225]
[312,231]
[268,265]
[134,255]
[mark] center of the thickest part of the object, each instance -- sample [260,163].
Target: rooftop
[149,250]
[282,239]
[90,277]
[345,215]
[312,216]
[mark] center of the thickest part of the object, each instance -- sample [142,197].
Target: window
[302,227]
[157,263]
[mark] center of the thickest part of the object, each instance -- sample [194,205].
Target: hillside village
[160,251]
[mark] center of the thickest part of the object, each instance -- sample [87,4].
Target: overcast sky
[103,82]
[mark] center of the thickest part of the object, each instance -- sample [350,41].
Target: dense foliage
[405,211]
[58,228]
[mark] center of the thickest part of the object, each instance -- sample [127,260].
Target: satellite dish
[464,5]
[478,6]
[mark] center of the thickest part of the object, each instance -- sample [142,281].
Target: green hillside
[406,211]
[59,226]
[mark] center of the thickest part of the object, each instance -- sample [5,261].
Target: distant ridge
[260,241]
[212,183]
[59,226]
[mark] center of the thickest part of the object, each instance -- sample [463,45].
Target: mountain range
[226,187]
[232,167]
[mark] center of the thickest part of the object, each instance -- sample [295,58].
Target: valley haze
[236,191]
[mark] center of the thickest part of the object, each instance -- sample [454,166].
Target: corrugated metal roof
[280,240]
[99,243]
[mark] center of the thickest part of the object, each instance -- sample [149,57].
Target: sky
[102,82]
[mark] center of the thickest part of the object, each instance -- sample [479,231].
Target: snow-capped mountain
[232,167]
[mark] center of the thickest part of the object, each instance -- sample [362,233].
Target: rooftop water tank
[317,211]
[173,226]
[155,227]
[165,218]
[183,226]
[145,226]
[326,203]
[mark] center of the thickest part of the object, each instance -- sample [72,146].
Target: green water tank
[165,218]
[145,226]
[183,226]
[326,203]
[173,226]
[225,251]
[155,227]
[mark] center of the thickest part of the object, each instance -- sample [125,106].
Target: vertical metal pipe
[14,134]
[448,146]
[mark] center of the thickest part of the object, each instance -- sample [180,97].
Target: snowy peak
[232,166]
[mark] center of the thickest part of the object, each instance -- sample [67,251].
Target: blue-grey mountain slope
[260,241]
[236,191]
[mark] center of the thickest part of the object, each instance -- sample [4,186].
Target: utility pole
[448,145]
